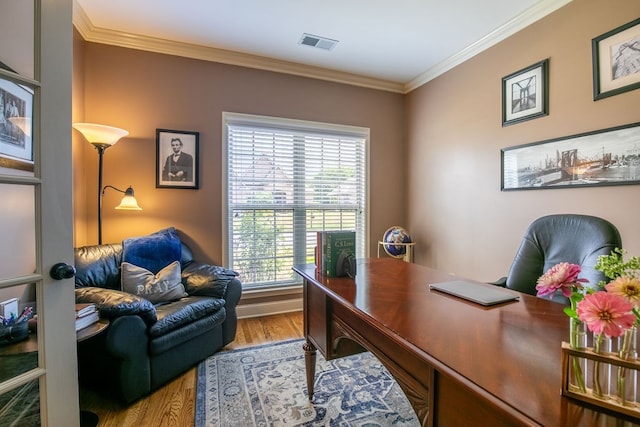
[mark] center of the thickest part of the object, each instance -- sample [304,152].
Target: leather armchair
[549,240]
[147,345]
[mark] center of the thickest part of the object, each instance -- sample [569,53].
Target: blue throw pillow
[153,252]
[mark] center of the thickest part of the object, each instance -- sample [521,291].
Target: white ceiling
[393,45]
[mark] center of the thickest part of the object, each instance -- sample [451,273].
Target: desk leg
[310,366]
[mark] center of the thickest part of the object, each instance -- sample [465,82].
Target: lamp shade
[129,202]
[100,134]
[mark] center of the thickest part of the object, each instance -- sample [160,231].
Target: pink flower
[606,313]
[627,287]
[563,276]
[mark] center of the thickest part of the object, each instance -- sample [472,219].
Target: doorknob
[62,270]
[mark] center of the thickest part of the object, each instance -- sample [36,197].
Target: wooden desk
[458,363]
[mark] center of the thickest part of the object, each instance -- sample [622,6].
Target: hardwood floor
[173,404]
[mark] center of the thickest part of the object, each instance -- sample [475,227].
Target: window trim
[230,118]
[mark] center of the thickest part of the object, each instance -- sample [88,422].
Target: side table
[30,346]
[88,418]
[92,330]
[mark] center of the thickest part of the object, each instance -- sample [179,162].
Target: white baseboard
[269,308]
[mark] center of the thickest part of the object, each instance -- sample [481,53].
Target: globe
[396,234]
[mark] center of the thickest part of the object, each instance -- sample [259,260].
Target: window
[286,180]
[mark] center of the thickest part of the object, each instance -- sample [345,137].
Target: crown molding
[94,34]
[516,24]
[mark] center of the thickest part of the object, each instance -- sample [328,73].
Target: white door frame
[58,340]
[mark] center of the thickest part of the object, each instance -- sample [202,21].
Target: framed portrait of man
[176,159]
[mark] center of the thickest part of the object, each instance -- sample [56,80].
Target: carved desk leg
[310,366]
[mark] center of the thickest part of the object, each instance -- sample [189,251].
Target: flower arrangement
[609,310]
[614,310]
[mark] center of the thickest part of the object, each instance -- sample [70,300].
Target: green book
[338,253]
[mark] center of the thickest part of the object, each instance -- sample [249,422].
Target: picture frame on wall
[177,159]
[616,61]
[599,158]
[525,94]
[16,126]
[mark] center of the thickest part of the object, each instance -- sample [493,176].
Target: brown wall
[449,169]
[461,220]
[141,91]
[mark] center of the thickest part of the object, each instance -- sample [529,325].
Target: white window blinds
[286,180]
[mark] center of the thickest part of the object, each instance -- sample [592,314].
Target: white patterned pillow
[164,286]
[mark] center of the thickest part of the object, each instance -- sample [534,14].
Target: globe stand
[408,252]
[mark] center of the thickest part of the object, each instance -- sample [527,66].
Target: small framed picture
[16,112]
[616,61]
[176,159]
[525,94]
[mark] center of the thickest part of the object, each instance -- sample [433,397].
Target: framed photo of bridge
[616,61]
[525,94]
[599,158]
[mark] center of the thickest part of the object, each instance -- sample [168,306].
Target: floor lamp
[103,137]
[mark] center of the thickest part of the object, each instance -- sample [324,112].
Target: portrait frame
[525,94]
[182,171]
[592,159]
[16,126]
[614,62]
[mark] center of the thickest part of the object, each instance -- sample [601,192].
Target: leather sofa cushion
[178,337]
[206,280]
[112,303]
[176,314]
[99,266]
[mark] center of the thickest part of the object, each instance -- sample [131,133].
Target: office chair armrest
[502,282]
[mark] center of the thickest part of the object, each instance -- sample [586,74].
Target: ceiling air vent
[317,41]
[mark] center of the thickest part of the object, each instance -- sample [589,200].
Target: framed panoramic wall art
[616,60]
[176,159]
[525,94]
[16,111]
[604,157]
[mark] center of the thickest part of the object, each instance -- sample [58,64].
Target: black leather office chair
[549,240]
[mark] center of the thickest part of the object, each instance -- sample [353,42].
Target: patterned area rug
[266,386]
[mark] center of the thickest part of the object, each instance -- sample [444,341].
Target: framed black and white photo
[616,60]
[599,158]
[525,94]
[16,113]
[176,159]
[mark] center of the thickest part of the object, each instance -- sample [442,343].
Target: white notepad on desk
[476,292]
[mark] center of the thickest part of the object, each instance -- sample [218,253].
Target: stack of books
[336,253]
[86,315]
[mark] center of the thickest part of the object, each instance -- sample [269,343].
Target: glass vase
[577,340]
[601,370]
[578,334]
[626,379]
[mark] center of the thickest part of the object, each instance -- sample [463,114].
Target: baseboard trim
[268,308]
